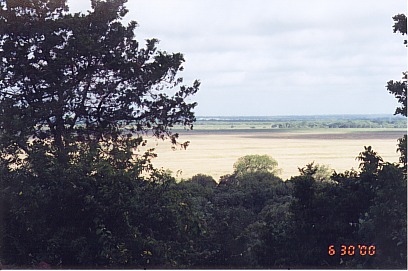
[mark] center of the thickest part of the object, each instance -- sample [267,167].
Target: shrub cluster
[92,214]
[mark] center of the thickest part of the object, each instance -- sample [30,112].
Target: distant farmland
[301,122]
[215,144]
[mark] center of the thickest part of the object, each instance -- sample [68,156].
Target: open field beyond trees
[214,152]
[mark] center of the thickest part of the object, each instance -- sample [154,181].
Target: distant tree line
[306,124]
[399,123]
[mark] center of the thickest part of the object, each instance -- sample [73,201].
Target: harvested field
[214,152]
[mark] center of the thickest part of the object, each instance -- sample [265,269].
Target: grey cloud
[282,53]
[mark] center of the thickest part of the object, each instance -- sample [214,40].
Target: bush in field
[255,164]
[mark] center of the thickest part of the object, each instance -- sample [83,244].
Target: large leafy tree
[399,88]
[77,94]
[68,78]
[255,163]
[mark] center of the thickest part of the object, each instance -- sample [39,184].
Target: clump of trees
[75,193]
[116,218]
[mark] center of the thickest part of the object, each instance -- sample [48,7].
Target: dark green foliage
[385,222]
[74,77]
[367,207]
[204,180]
[270,238]
[371,162]
[399,88]
[92,214]
[239,202]
[96,216]
[400,24]
[313,222]
[77,92]
[402,149]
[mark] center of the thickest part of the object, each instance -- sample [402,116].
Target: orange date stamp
[352,250]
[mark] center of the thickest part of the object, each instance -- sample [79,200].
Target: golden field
[214,152]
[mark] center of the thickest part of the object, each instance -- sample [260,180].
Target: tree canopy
[68,78]
[399,88]
[255,163]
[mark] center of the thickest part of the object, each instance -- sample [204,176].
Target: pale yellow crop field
[214,153]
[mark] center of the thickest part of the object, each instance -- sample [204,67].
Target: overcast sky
[279,57]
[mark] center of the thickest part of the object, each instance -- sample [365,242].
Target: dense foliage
[255,163]
[399,88]
[68,77]
[92,214]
